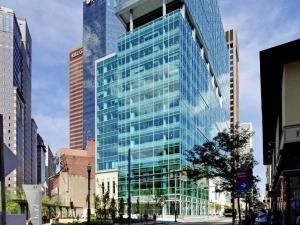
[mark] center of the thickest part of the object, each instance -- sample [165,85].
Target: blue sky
[56,27]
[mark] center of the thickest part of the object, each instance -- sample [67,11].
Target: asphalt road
[205,221]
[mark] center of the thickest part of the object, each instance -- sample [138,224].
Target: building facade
[280,72]
[15,93]
[49,170]
[100,31]
[233,47]
[34,134]
[76,98]
[164,90]
[218,201]
[41,159]
[71,178]
[249,146]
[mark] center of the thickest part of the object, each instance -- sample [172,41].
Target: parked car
[229,213]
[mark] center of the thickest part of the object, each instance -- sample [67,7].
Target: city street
[204,220]
[220,220]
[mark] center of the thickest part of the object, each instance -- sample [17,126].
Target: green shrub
[13,207]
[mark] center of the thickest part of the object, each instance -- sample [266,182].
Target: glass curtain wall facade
[101,29]
[162,93]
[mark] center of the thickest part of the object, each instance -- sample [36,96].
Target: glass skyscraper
[164,90]
[101,29]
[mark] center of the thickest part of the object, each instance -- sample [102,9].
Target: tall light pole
[129,187]
[89,169]
[2,174]
[173,175]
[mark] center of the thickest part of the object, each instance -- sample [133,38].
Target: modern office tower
[101,29]
[15,93]
[233,47]
[34,134]
[164,90]
[26,91]
[41,156]
[76,98]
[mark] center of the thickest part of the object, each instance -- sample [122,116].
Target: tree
[251,197]
[97,203]
[158,203]
[219,159]
[105,202]
[113,209]
[137,206]
[101,206]
[121,209]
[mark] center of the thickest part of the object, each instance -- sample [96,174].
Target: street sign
[33,195]
[243,180]
[11,161]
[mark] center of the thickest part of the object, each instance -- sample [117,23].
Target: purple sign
[243,180]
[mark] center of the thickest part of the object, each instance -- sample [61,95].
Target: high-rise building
[248,127]
[41,156]
[34,134]
[76,98]
[233,47]
[101,29]
[163,91]
[26,90]
[15,93]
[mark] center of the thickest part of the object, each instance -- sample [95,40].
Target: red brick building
[76,98]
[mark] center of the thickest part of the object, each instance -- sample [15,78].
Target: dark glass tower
[100,31]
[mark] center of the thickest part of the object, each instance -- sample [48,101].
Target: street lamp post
[89,169]
[2,174]
[175,177]
[173,174]
[129,187]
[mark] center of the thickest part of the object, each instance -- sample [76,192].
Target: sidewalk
[169,220]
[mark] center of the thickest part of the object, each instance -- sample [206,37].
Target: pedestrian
[262,217]
[29,222]
[298,219]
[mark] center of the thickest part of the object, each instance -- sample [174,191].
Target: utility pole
[89,169]
[175,177]
[2,174]
[129,187]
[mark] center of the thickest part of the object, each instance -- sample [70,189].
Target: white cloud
[54,130]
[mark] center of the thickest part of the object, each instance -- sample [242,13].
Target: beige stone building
[233,48]
[70,183]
